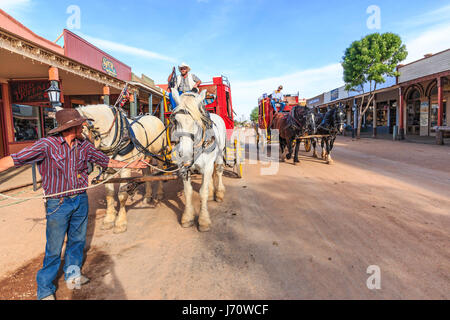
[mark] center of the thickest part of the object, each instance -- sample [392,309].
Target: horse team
[199,142]
[303,123]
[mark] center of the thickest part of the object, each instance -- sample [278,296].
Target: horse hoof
[211,198]
[315,156]
[107,225]
[296,163]
[160,197]
[204,228]
[188,224]
[330,162]
[120,229]
[219,200]
[289,156]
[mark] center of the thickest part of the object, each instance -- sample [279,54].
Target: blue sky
[258,44]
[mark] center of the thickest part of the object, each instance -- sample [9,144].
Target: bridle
[311,119]
[95,134]
[203,140]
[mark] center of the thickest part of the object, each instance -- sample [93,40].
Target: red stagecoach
[267,110]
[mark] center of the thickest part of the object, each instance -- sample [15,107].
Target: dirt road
[308,232]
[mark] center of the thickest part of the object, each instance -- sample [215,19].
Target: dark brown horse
[291,127]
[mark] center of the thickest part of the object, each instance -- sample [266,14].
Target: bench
[440,133]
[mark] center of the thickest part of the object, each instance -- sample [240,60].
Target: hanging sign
[29,91]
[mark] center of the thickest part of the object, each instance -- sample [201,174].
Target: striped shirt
[62,168]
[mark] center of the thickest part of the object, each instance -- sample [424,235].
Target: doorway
[413,113]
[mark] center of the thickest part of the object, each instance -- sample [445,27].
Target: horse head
[99,129]
[311,122]
[189,123]
[339,119]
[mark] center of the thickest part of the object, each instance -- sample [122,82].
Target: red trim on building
[13,26]
[80,50]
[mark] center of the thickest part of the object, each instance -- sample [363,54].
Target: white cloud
[107,45]
[433,41]
[432,17]
[309,83]
[15,8]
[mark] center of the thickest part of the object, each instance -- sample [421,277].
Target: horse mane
[328,118]
[90,107]
[188,102]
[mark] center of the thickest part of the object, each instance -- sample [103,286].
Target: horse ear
[176,97]
[201,97]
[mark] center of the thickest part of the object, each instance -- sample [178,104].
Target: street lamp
[54,94]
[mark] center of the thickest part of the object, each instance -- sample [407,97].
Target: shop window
[382,114]
[31,122]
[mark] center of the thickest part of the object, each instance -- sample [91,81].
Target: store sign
[334,94]
[317,100]
[108,67]
[29,91]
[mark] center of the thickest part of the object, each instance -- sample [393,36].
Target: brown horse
[291,126]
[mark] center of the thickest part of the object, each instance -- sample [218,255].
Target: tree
[254,115]
[369,61]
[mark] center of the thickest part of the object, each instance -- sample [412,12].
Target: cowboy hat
[184,65]
[68,118]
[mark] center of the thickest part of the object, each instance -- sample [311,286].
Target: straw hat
[184,65]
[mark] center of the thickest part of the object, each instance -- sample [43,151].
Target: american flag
[125,97]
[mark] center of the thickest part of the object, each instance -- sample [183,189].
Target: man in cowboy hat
[185,82]
[62,160]
[278,98]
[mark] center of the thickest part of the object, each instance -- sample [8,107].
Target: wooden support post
[33,174]
[440,102]
[401,124]
[375,114]
[355,119]
[133,105]
[53,74]
[439,137]
[106,94]
[161,111]
[150,103]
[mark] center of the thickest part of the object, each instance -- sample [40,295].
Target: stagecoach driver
[62,160]
[278,98]
[185,82]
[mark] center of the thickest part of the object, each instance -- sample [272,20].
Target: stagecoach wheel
[307,143]
[237,163]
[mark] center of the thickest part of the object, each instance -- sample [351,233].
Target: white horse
[105,132]
[198,149]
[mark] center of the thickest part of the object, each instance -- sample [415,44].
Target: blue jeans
[71,218]
[282,105]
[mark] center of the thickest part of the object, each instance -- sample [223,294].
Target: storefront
[381,116]
[425,86]
[32,114]
[28,63]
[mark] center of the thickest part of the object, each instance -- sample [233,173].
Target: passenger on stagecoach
[185,82]
[278,98]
